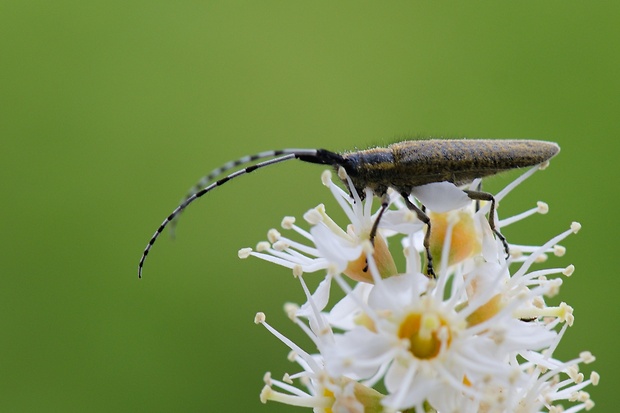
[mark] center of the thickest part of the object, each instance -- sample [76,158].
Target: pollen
[313,216]
[288,222]
[426,333]
[568,271]
[326,177]
[244,253]
[559,250]
[259,318]
[273,235]
[263,246]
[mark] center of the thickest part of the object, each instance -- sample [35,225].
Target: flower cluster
[477,338]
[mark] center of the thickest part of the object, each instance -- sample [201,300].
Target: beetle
[400,166]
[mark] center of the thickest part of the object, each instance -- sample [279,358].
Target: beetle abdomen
[408,164]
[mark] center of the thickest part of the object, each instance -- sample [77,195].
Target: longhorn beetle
[401,166]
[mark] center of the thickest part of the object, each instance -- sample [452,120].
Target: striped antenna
[211,176]
[307,155]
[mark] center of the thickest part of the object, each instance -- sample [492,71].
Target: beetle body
[405,165]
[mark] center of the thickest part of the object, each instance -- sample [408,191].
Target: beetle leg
[485,196]
[385,203]
[427,237]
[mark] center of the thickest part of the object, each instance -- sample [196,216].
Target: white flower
[479,338]
[324,393]
[335,248]
[428,349]
[449,346]
[551,382]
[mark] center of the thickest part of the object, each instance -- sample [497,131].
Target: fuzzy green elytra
[401,166]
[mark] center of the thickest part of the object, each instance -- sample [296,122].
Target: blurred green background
[110,111]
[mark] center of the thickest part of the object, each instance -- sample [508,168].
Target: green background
[109,112]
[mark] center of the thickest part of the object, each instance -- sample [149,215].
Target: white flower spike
[479,338]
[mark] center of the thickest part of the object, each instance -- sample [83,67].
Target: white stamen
[273,235]
[262,246]
[543,207]
[244,253]
[326,177]
[287,222]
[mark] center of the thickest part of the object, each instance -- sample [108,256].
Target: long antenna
[211,176]
[306,155]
